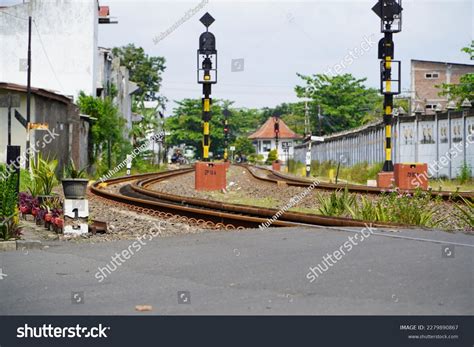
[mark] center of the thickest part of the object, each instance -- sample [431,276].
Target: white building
[113,80]
[264,139]
[64,45]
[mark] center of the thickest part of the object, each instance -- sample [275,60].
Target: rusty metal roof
[37,91]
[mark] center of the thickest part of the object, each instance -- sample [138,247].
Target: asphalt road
[247,272]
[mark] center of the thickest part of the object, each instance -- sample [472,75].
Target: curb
[20,245]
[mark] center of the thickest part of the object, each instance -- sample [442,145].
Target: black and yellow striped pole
[226,134]
[388,102]
[206,117]
[390,13]
[207,75]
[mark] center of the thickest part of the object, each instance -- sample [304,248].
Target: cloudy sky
[277,39]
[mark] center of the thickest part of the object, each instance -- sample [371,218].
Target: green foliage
[71,171]
[465,88]
[144,70]
[256,159]
[466,212]
[369,210]
[344,100]
[44,176]
[336,203]
[358,173]
[147,125]
[9,219]
[465,174]
[107,128]
[243,146]
[272,156]
[185,125]
[417,209]
[294,166]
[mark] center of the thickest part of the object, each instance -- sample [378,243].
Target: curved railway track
[278,177]
[135,194]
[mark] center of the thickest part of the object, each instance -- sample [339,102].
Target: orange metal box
[385,180]
[276,166]
[210,176]
[411,175]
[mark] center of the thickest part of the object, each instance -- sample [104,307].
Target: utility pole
[28,97]
[320,132]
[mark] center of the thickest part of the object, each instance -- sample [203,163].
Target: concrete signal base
[411,175]
[385,180]
[276,166]
[210,176]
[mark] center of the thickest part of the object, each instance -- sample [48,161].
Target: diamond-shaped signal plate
[392,8]
[207,19]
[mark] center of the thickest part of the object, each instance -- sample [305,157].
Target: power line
[11,15]
[47,57]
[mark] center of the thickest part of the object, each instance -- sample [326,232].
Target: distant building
[113,80]
[425,75]
[264,139]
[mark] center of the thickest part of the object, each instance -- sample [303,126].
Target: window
[430,106]
[267,146]
[432,75]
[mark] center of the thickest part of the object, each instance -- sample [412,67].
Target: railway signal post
[226,114]
[209,176]
[276,164]
[390,13]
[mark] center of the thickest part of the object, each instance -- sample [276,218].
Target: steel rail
[136,194]
[280,178]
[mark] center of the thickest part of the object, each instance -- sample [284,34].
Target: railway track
[279,178]
[135,194]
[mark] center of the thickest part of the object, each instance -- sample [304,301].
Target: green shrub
[335,204]
[465,174]
[9,219]
[272,156]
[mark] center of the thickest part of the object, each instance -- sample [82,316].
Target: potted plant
[44,177]
[74,182]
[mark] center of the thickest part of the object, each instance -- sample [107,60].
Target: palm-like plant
[44,174]
[466,212]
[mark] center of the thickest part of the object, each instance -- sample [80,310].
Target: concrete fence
[444,141]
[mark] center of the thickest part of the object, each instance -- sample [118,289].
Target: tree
[243,146]
[344,100]
[185,125]
[465,88]
[106,131]
[144,70]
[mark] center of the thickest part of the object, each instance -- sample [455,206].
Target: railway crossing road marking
[2,274]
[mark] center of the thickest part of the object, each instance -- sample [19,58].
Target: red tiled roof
[104,11]
[267,131]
